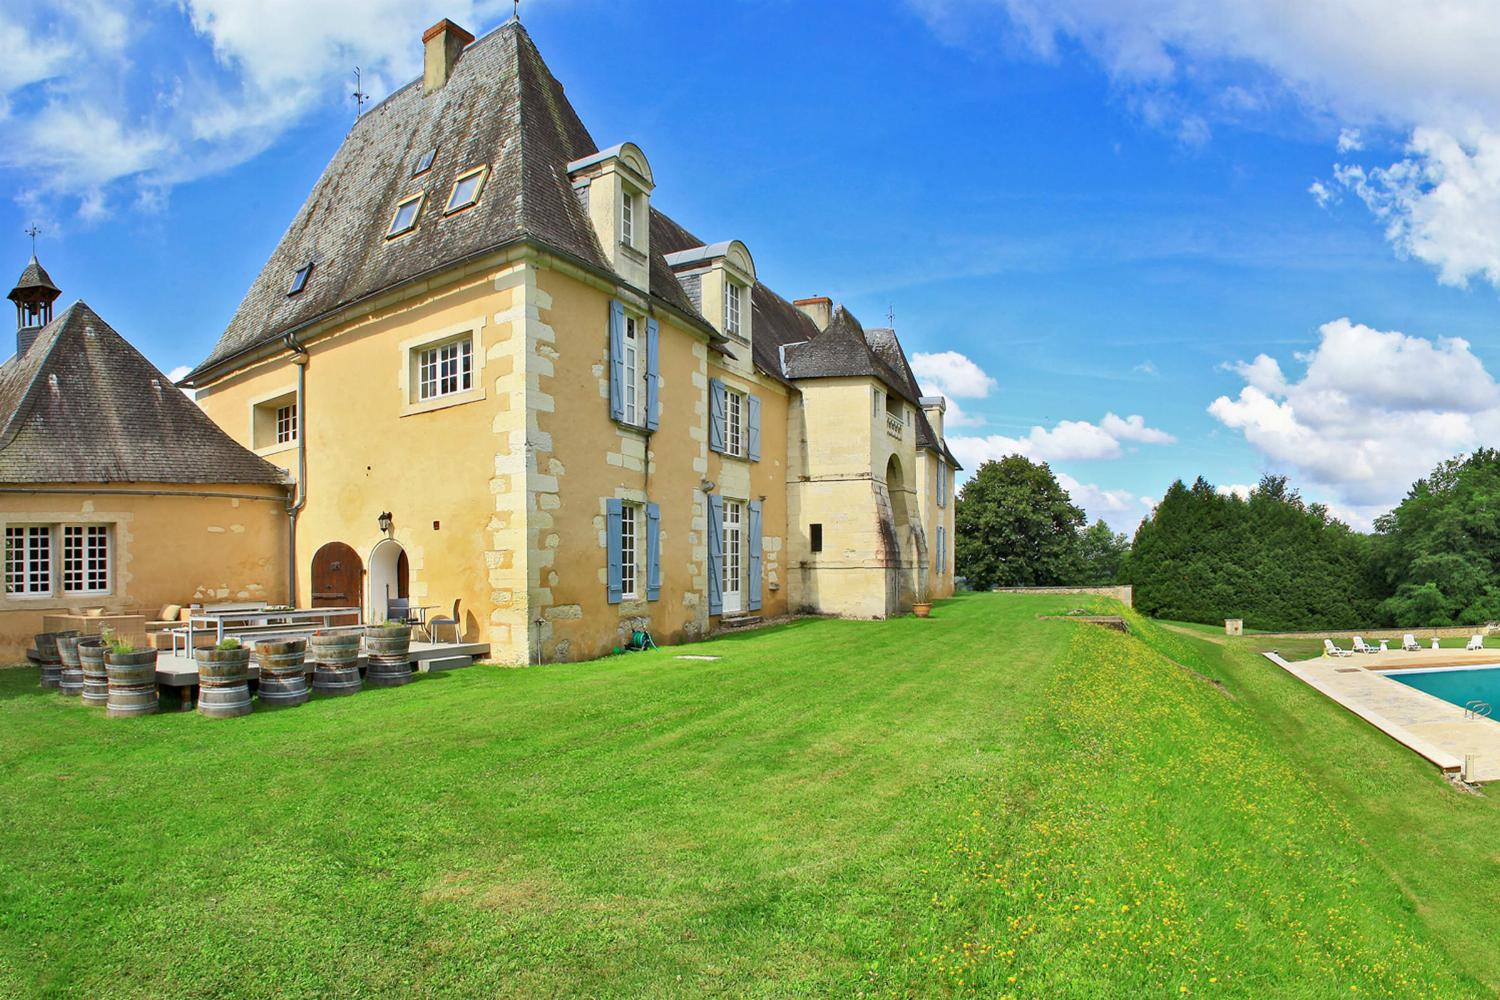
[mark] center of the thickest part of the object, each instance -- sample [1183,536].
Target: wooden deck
[178,671]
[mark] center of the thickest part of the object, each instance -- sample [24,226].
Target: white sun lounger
[1409,643]
[1329,649]
[1475,643]
[1360,646]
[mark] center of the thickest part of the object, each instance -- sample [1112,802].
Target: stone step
[739,621]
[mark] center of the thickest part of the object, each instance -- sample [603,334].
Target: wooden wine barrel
[95,677]
[283,672]
[223,682]
[389,649]
[71,679]
[335,657]
[132,683]
[51,661]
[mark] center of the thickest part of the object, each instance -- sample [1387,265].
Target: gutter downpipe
[294,507]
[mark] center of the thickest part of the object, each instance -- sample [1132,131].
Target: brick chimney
[443,44]
[819,309]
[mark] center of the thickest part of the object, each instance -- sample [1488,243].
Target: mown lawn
[982,803]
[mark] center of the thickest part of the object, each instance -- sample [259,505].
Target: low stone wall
[1373,635]
[1125,595]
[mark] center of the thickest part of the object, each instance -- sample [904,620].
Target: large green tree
[1101,555]
[1016,527]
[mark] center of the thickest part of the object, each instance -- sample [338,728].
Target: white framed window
[28,560]
[734,533]
[629,564]
[85,559]
[627,217]
[734,423]
[286,423]
[733,296]
[404,219]
[466,190]
[445,369]
[633,393]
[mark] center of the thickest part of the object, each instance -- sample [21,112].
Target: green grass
[983,803]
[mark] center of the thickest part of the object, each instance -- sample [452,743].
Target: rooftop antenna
[360,97]
[33,230]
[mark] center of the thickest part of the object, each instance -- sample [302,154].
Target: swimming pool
[1456,685]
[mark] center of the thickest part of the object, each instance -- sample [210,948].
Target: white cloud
[111,103]
[1146,368]
[1373,411]
[1122,509]
[1241,490]
[1068,440]
[951,374]
[1321,193]
[1424,68]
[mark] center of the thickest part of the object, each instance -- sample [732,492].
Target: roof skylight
[405,218]
[299,280]
[424,162]
[466,189]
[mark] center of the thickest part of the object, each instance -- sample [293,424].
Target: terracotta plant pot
[922,610]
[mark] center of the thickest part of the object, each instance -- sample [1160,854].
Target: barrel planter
[95,677]
[335,657]
[132,682]
[223,682]
[283,672]
[51,661]
[389,649]
[72,671]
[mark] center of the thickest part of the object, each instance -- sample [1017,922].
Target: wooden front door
[338,577]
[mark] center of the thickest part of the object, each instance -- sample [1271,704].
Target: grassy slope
[980,802]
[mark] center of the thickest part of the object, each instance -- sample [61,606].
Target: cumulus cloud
[1425,69]
[953,376]
[1373,411]
[106,104]
[1121,509]
[1241,490]
[1068,440]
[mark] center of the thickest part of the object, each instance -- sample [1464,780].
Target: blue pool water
[1456,686]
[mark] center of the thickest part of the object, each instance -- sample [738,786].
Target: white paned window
[732,293]
[445,369]
[734,517]
[734,422]
[28,560]
[629,570]
[627,218]
[85,559]
[286,423]
[634,376]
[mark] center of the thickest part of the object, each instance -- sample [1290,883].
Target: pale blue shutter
[617,360]
[942,483]
[717,415]
[939,561]
[653,552]
[754,555]
[715,554]
[612,547]
[752,411]
[653,373]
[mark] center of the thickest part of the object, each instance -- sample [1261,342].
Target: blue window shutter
[942,483]
[653,373]
[938,561]
[612,546]
[715,554]
[653,552]
[717,415]
[754,555]
[617,360]
[752,410]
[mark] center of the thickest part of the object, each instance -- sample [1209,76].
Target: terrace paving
[1427,724]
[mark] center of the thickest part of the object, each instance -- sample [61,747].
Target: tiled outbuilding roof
[83,406]
[34,277]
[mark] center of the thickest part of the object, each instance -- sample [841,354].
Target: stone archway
[390,576]
[338,577]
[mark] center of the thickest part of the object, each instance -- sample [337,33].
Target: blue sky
[1090,218]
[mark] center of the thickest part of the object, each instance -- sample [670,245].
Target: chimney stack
[443,44]
[935,407]
[819,309]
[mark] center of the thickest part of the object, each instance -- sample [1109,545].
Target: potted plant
[224,679]
[922,606]
[335,656]
[131,677]
[283,672]
[389,648]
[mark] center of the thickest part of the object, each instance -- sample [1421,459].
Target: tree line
[1270,558]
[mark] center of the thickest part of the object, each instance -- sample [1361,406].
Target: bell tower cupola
[33,295]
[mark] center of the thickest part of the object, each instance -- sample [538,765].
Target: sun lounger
[1477,642]
[1409,643]
[1360,646]
[1329,649]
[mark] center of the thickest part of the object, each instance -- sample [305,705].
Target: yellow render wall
[183,548]
[939,584]
[451,475]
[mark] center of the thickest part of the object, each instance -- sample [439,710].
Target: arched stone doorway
[338,577]
[390,576]
[905,548]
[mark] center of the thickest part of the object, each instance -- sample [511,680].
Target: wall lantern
[385,523]
[707,485]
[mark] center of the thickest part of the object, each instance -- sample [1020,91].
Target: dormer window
[466,190]
[424,162]
[404,220]
[299,280]
[733,295]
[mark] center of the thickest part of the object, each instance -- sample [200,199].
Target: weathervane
[33,230]
[518,9]
[890,316]
[360,97]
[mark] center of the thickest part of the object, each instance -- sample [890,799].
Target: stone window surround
[261,410]
[55,595]
[411,350]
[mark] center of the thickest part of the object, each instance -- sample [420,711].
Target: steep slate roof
[34,276]
[83,406]
[886,345]
[842,350]
[502,107]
